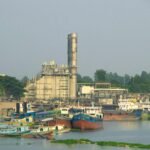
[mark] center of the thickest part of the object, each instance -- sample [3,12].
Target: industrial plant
[56,81]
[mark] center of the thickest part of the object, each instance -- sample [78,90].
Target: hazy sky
[113,35]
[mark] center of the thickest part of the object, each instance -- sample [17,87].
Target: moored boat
[86,122]
[14,131]
[39,132]
[60,122]
[90,119]
[119,115]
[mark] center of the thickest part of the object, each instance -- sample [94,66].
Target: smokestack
[72,50]
[24,107]
[17,108]
[72,62]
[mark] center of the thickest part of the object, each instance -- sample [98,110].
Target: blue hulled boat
[86,122]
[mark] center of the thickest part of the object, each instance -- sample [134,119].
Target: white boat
[14,130]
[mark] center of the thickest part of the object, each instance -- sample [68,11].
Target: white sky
[113,35]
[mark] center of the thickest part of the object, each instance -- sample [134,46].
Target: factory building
[56,81]
[99,91]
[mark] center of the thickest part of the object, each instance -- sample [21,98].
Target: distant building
[102,91]
[56,81]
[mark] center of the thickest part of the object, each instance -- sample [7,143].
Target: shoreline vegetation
[12,88]
[101,143]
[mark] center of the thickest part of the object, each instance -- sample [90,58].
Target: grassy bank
[102,143]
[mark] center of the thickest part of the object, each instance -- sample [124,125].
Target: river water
[133,131]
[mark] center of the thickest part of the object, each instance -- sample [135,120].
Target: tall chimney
[72,63]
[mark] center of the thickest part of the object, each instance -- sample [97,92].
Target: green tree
[2,91]
[79,78]
[87,79]
[126,80]
[11,86]
[24,80]
[145,77]
[100,75]
[84,79]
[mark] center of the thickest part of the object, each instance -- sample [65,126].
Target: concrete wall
[5,105]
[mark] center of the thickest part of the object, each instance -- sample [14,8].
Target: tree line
[12,88]
[137,83]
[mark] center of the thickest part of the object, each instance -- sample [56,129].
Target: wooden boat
[6,118]
[61,122]
[14,131]
[25,132]
[39,135]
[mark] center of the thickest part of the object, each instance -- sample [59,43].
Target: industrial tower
[56,81]
[72,63]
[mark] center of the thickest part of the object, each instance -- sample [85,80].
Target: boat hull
[60,121]
[112,117]
[13,131]
[86,122]
[122,115]
[13,134]
[41,135]
[86,125]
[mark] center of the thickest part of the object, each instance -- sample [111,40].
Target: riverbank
[101,143]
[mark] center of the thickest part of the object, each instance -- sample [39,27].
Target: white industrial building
[56,81]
